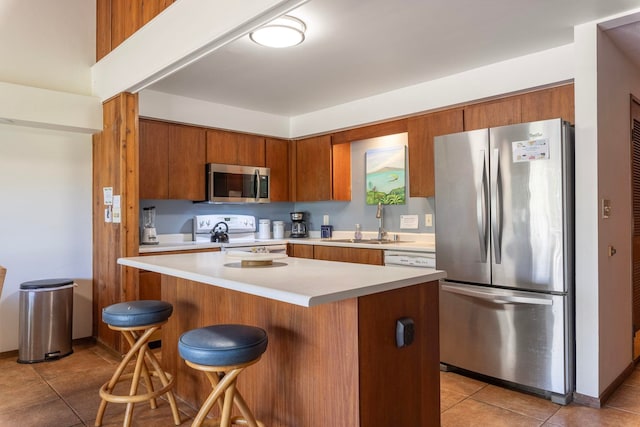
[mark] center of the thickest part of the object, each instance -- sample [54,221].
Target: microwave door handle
[257,173]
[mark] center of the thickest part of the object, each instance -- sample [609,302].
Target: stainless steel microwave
[237,184]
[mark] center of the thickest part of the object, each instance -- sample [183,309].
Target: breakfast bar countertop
[299,281]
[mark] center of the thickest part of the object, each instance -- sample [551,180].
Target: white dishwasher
[410,259]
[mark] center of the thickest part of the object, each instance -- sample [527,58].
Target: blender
[149,236]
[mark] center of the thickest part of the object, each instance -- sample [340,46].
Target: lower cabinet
[300,251]
[337,253]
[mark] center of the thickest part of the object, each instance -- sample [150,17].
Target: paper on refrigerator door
[527,151]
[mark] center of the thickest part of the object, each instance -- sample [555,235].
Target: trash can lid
[46,283]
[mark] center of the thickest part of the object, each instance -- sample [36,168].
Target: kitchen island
[332,357]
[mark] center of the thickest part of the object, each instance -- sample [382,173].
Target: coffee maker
[298,226]
[149,236]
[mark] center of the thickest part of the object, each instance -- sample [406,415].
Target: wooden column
[115,165]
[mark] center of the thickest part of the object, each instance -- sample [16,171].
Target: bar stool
[222,352]
[137,321]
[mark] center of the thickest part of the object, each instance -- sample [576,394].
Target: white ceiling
[355,49]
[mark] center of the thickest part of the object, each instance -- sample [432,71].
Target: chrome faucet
[379,214]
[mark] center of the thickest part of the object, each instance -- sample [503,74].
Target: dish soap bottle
[358,233]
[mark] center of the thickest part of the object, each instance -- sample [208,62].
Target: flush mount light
[285,31]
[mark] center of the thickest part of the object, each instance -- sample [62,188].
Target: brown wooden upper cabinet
[323,170]
[422,130]
[172,159]
[549,104]
[502,112]
[541,104]
[233,148]
[154,160]
[278,161]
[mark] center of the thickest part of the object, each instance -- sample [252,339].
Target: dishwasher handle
[494,297]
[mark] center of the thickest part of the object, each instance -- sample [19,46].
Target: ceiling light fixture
[285,31]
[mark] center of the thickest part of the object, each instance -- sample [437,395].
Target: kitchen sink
[367,241]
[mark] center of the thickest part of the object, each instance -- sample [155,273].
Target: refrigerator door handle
[496,201]
[497,299]
[481,208]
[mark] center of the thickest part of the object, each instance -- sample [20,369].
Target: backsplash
[174,216]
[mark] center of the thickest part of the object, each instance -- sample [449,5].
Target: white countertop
[304,282]
[408,242]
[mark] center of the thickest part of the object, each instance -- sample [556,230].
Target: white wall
[604,80]
[48,44]
[618,78]
[586,212]
[45,188]
[47,49]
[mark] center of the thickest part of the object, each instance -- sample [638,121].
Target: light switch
[606,208]
[428,220]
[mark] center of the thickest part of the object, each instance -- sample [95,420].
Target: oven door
[239,184]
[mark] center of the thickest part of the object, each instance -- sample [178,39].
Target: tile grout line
[60,397]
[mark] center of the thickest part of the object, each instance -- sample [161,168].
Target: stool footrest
[235,421]
[137,398]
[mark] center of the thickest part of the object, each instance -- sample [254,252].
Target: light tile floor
[64,393]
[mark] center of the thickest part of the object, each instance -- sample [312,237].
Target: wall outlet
[428,220]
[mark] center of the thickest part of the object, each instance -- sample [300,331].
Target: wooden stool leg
[101,409]
[141,365]
[225,419]
[133,389]
[249,418]
[146,376]
[114,379]
[216,393]
[165,380]
[214,379]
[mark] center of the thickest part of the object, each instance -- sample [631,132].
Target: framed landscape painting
[385,176]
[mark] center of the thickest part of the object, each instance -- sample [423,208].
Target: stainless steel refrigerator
[504,235]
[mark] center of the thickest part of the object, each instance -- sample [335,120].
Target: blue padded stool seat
[136,313]
[223,345]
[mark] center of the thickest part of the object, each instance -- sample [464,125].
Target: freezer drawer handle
[496,218]
[497,299]
[481,208]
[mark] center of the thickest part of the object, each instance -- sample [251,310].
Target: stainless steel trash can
[46,320]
